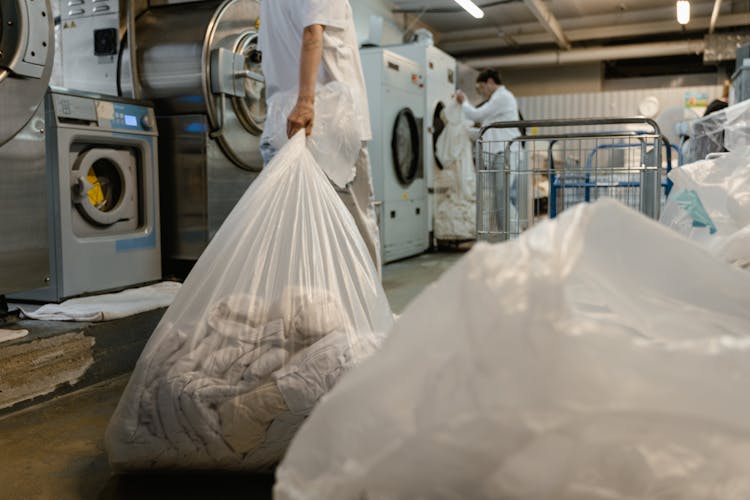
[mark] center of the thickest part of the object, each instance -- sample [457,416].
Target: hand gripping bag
[335,141]
[598,356]
[283,301]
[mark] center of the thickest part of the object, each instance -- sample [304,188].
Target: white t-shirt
[501,107]
[280,40]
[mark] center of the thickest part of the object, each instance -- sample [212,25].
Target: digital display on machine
[131,121]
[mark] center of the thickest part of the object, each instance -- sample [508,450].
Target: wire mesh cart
[560,163]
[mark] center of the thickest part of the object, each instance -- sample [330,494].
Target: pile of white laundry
[236,393]
[455,215]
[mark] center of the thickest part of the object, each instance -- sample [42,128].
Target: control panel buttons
[146,122]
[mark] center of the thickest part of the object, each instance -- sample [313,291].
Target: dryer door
[438,124]
[405,146]
[26,53]
[104,185]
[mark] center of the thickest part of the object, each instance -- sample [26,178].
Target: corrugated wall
[622,103]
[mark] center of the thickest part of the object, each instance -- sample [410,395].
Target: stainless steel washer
[104,195]
[26,53]
[198,63]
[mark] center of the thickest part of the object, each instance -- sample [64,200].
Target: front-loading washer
[103,187]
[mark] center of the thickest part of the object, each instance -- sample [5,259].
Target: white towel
[8,335]
[109,306]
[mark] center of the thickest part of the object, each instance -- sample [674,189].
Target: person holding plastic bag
[283,301]
[323,30]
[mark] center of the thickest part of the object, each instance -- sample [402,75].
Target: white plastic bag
[455,216]
[281,303]
[710,204]
[598,356]
[335,141]
[454,150]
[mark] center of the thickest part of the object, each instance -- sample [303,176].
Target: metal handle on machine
[252,75]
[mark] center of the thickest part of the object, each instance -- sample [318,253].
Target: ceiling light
[472,8]
[683,11]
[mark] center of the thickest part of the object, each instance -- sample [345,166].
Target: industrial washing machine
[104,196]
[395,90]
[439,70]
[199,65]
[26,56]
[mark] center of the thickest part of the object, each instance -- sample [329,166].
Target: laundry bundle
[455,216]
[284,300]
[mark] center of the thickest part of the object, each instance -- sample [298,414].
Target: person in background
[720,103]
[500,106]
[309,42]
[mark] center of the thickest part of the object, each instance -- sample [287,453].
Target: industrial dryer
[439,70]
[395,90]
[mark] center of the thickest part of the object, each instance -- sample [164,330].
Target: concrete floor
[55,451]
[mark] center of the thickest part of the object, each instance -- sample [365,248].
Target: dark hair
[489,74]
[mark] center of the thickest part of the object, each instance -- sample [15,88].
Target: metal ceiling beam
[627,17]
[574,56]
[714,16]
[489,40]
[548,20]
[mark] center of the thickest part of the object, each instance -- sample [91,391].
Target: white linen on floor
[109,306]
[8,335]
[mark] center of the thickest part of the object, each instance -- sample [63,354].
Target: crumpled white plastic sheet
[282,302]
[598,356]
[718,213]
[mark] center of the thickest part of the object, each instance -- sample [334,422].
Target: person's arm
[474,114]
[303,114]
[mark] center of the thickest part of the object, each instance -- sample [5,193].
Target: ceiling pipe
[714,16]
[548,20]
[574,56]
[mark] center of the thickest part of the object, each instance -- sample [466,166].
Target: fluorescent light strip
[471,8]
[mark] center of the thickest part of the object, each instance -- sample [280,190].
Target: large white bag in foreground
[281,303]
[710,204]
[599,356]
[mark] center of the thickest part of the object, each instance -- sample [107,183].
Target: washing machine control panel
[131,117]
[102,114]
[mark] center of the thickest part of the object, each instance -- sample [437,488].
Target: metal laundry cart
[559,163]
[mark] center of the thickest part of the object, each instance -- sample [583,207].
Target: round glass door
[438,124]
[103,186]
[251,108]
[405,146]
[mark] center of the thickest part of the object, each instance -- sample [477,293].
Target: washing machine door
[405,146]
[26,53]
[237,109]
[438,125]
[104,186]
